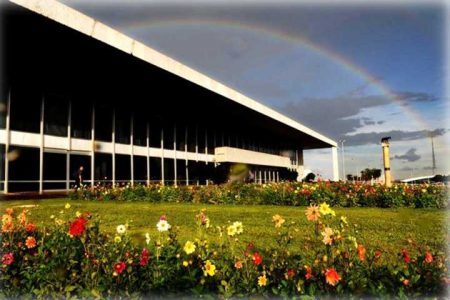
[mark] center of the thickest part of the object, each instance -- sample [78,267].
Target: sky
[351,72]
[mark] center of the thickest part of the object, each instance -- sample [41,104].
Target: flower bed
[74,258]
[285,193]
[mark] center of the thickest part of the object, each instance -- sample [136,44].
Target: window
[123,168]
[169,172]
[140,130]
[56,112]
[181,137]
[168,136]
[140,169]
[123,126]
[103,122]
[76,161]
[155,134]
[81,119]
[23,169]
[181,171]
[54,171]
[103,168]
[155,169]
[26,110]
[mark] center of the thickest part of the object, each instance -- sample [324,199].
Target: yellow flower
[209,269]
[117,239]
[325,209]
[344,220]
[278,220]
[67,206]
[147,238]
[78,214]
[262,280]
[353,240]
[189,247]
[185,264]
[231,230]
[121,229]
[327,236]
[239,227]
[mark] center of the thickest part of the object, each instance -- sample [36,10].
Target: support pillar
[7,142]
[147,143]
[93,147]
[334,155]
[41,149]
[175,175]
[69,145]
[386,161]
[113,143]
[132,149]
[162,156]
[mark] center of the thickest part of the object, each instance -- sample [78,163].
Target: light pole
[343,159]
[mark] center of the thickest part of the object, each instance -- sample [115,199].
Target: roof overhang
[76,20]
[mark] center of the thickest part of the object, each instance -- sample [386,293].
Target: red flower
[257,259]
[163,218]
[119,267]
[308,274]
[361,252]
[332,277]
[428,257]
[8,258]
[290,273]
[378,254]
[405,255]
[144,257]
[77,227]
[30,227]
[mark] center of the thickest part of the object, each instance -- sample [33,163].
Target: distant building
[76,92]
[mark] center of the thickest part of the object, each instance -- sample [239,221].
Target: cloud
[409,156]
[336,117]
[396,135]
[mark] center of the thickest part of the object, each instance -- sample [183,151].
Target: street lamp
[343,158]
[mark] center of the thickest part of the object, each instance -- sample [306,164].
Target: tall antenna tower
[432,155]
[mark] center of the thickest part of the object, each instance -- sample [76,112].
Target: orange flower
[406,282]
[6,219]
[428,257]
[361,252]
[238,264]
[312,213]
[332,277]
[30,242]
[23,217]
[7,227]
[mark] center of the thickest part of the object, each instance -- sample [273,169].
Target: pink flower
[119,267]
[144,257]
[8,258]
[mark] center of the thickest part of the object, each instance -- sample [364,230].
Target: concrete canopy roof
[71,18]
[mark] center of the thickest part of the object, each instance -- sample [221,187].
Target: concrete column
[185,151]
[206,147]
[334,155]
[269,175]
[7,142]
[41,148]
[147,143]
[113,143]
[162,156]
[132,149]
[175,154]
[93,146]
[260,177]
[69,144]
[196,142]
[278,176]
[265,176]
[386,161]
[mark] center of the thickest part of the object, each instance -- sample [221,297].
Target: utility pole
[343,159]
[432,155]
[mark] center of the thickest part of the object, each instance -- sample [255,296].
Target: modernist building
[77,92]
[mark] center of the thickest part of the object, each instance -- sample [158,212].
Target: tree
[368,174]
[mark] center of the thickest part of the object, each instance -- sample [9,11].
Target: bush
[341,194]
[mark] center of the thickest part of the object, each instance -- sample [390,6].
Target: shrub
[343,194]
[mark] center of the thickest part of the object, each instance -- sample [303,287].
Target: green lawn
[388,229]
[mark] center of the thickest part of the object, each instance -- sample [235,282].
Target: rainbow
[340,60]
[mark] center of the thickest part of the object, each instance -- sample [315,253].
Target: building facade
[76,92]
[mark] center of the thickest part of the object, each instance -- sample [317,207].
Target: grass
[388,229]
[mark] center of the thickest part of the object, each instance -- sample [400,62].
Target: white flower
[121,229]
[163,225]
[147,238]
